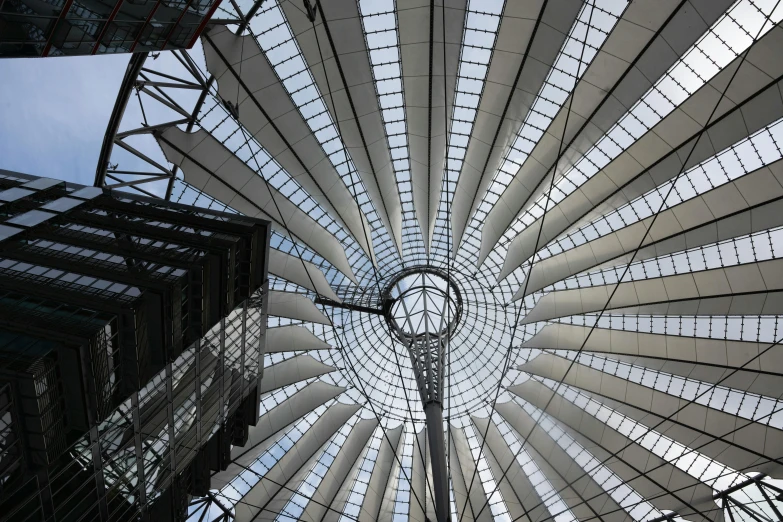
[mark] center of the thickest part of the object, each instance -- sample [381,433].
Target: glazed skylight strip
[761,149]
[379,24]
[191,196]
[561,79]
[497,505]
[698,465]
[402,498]
[722,43]
[763,329]
[216,120]
[361,481]
[554,503]
[623,494]
[275,37]
[298,502]
[751,406]
[751,248]
[482,21]
[244,482]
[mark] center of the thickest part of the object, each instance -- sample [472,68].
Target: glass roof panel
[578,254]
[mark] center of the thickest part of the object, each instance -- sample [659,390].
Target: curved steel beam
[126,88]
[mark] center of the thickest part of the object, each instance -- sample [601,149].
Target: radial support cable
[608,94]
[449,259]
[427,235]
[505,111]
[328,316]
[317,7]
[292,490]
[686,453]
[337,337]
[515,326]
[312,12]
[636,251]
[553,516]
[241,83]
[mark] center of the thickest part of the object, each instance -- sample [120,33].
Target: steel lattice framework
[589,190]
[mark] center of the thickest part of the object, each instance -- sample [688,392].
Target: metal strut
[427,350]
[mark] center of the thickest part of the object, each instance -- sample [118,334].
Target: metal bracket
[311,9]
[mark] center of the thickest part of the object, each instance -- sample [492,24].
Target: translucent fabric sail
[526,256]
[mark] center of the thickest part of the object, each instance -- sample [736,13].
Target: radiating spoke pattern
[559,221]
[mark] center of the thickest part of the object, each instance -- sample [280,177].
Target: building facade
[31,28]
[132,334]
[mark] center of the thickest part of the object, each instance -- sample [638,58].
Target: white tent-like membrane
[557,224]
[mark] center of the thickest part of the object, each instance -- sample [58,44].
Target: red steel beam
[204,23]
[146,23]
[171,31]
[106,26]
[48,46]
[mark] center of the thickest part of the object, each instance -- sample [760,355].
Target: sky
[54,112]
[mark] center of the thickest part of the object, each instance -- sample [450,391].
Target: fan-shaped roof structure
[558,221]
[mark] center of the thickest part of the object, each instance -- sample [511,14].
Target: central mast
[425,310]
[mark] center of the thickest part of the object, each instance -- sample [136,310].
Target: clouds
[54,111]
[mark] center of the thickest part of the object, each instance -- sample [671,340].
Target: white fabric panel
[260,436]
[586,499]
[749,204]
[428,114]
[299,368]
[282,472]
[212,168]
[248,80]
[617,77]
[343,494]
[477,497]
[338,473]
[389,494]
[421,480]
[275,509]
[381,474]
[633,32]
[520,496]
[223,478]
[750,104]
[358,117]
[690,20]
[292,339]
[293,408]
[726,452]
[763,441]
[508,89]
[294,306]
[708,360]
[748,289]
[300,272]
[665,486]
[459,487]
[522,423]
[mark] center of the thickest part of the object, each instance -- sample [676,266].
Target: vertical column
[141,482]
[440,477]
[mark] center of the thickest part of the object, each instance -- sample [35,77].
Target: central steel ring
[423,302]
